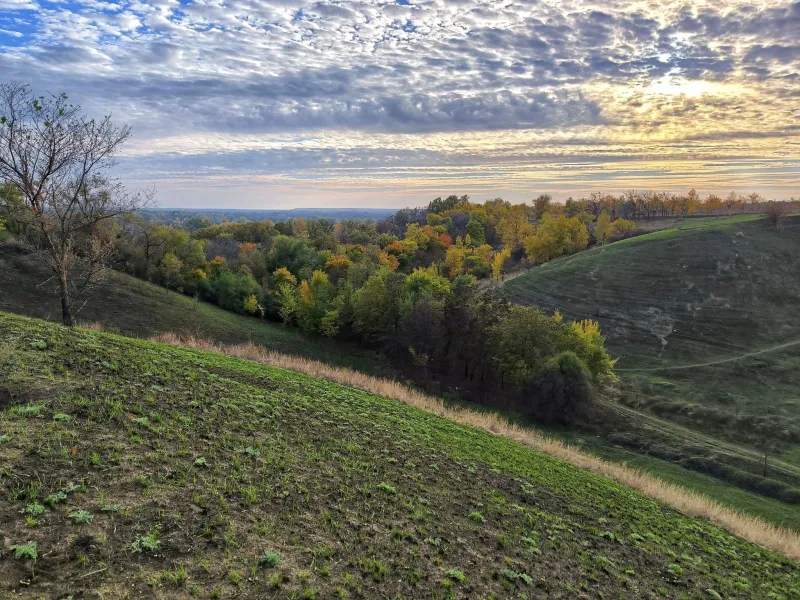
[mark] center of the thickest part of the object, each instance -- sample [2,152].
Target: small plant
[28,550]
[149,543]
[61,417]
[29,410]
[456,575]
[477,517]
[143,421]
[5,439]
[511,575]
[176,577]
[38,344]
[252,452]
[200,461]
[81,517]
[270,559]
[35,509]
[675,570]
[375,568]
[236,578]
[385,487]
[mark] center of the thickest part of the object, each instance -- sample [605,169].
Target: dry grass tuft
[753,529]
[93,326]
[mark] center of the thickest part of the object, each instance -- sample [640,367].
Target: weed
[147,543]
[371,566]
[511,575]
[456,575]
[29,410]
[81,517]
[61,417]
[35,509]
[176,577]
[477,517]
[4,439]
[28,550]
[385,487]
[269,559]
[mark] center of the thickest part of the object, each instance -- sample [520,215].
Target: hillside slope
[703,319]
[707,289]
[132,307]
[139,469]
[706,312]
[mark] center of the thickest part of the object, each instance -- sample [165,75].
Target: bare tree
[776,213]
[57,158]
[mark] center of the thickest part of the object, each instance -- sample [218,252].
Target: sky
[390,103]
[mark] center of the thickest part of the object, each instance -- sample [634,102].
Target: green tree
[476,232]
[379,306]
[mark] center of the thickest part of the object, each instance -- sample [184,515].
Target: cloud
[576,79]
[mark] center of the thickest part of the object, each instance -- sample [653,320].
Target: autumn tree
[776,214]
[602,230]
[541,205]
[57,158]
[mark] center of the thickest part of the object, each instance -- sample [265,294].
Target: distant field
[130,306]
[136,469]
[703,319]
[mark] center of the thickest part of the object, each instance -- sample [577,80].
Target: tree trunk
[66,304]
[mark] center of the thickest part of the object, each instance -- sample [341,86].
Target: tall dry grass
[754,529]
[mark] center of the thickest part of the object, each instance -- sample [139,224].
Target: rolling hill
[704,312]
[123,304]
[702,317]
[135,469]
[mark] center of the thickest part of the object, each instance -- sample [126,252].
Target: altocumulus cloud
[256,101]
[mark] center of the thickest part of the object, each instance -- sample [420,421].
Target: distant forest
[214,216]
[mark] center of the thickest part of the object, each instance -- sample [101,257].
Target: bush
[562,390]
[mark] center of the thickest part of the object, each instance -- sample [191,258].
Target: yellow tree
[602,230]
[498,262]
[692,201]
[514,227]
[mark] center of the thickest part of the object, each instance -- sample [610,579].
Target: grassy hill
[131,469]
[705,312]
[703,319]
[136,308]
[709,289]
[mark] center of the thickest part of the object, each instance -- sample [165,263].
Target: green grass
[315,490]
[671,301]
[136,308]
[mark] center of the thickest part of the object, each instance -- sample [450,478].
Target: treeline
[637,205]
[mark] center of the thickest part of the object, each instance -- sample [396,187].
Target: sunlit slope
[141,469]
[708,289]
[127,305]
